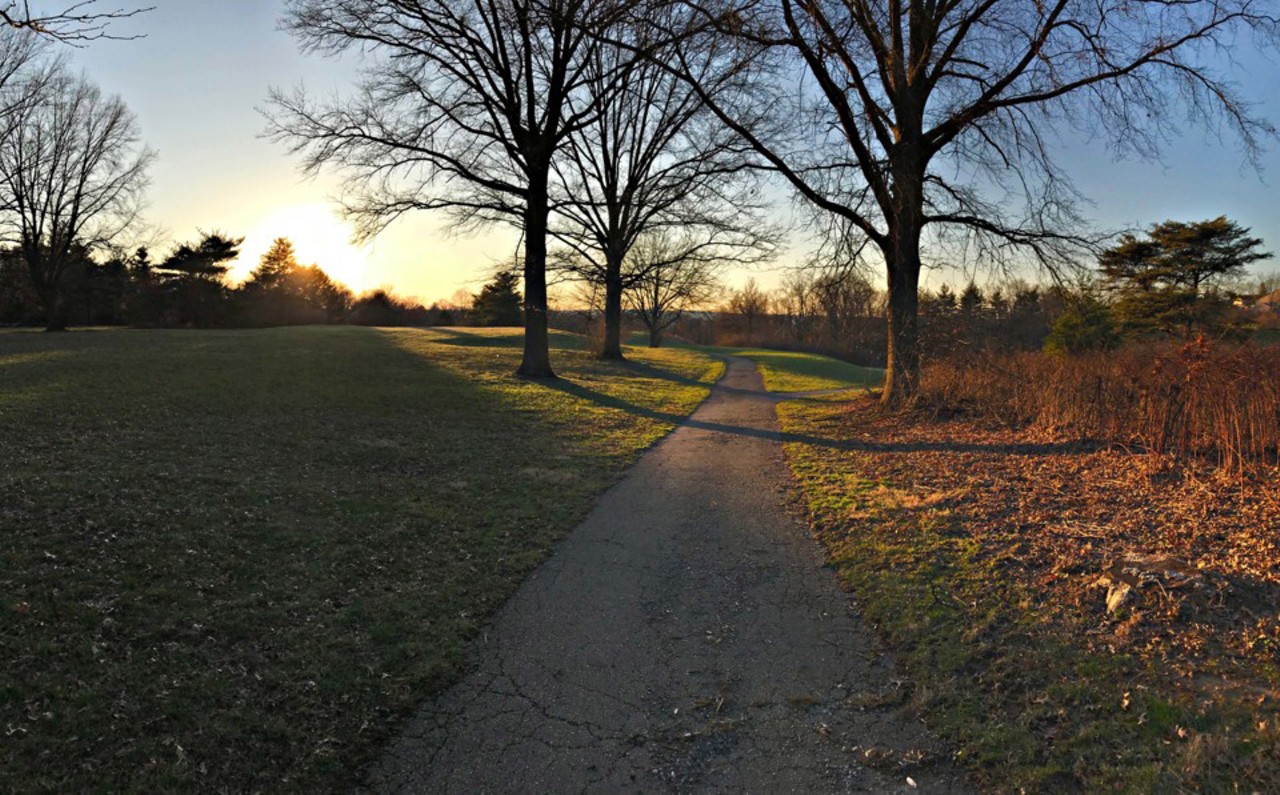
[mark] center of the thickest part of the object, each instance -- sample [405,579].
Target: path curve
[685,637]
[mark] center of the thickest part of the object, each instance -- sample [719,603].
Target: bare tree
[72,174]
[77,21]
[670,284]
[654,158]
[25,67]
[918,116]
[798,302]
[463,110]
[751,304]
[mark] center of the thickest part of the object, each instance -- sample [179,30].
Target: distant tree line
[843,315]
[1180,280]
[188,288]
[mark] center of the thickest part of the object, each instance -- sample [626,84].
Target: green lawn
[790,371]
[234,560]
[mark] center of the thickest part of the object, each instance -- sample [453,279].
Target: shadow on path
[586,393]
[686,637]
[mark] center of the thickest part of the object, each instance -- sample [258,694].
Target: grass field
[233,560]
[790,371]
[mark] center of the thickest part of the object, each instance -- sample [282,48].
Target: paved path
[685,637]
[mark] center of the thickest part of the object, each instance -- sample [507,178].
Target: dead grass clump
[1195,399]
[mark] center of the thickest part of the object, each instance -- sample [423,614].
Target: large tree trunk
[537,354]
[613,313]
[902,378]
[655,338]
[906,225]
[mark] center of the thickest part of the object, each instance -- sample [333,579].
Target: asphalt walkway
[685,637]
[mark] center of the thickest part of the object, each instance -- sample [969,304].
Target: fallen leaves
[1030,527]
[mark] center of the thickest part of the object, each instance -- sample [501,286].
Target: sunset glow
[319,236]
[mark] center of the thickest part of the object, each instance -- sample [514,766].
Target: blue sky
[204,67]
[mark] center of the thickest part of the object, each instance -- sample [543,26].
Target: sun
[319,236]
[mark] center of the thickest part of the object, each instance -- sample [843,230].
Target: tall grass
[1194,399]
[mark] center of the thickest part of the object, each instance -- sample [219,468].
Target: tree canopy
[1171,279]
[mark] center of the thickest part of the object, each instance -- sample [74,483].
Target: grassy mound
[793,371]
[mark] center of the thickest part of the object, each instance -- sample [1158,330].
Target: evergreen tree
[498,303]
[971,300]
[281,291]
[945,300]
[1085,325]
[275,266]
[1170,281]
[193,278]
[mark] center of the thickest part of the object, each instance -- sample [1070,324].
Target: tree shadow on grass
[851,445]
[559,340]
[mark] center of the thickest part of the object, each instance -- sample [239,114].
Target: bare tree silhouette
[464,110]
[654,158]
[72,174]
[76,23]
[913,119]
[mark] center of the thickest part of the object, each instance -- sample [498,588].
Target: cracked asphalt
[685,637]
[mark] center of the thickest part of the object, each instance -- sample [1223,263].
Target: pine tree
[275,266]
[1169,281]
[498,303]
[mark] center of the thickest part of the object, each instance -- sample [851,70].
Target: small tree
[670,284]
[971,301]
[797,301]
[751,304]
[498,303]
[1085,325]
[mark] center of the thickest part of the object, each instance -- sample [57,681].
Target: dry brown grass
[1196,399]
[979,552]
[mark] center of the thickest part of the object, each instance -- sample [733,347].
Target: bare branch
[75,24]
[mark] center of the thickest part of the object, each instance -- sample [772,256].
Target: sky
[200,73]
[198,79]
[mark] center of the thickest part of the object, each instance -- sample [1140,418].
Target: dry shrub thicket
[1195,399]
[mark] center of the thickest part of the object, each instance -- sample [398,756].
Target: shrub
[1195,399]
[1085,325]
